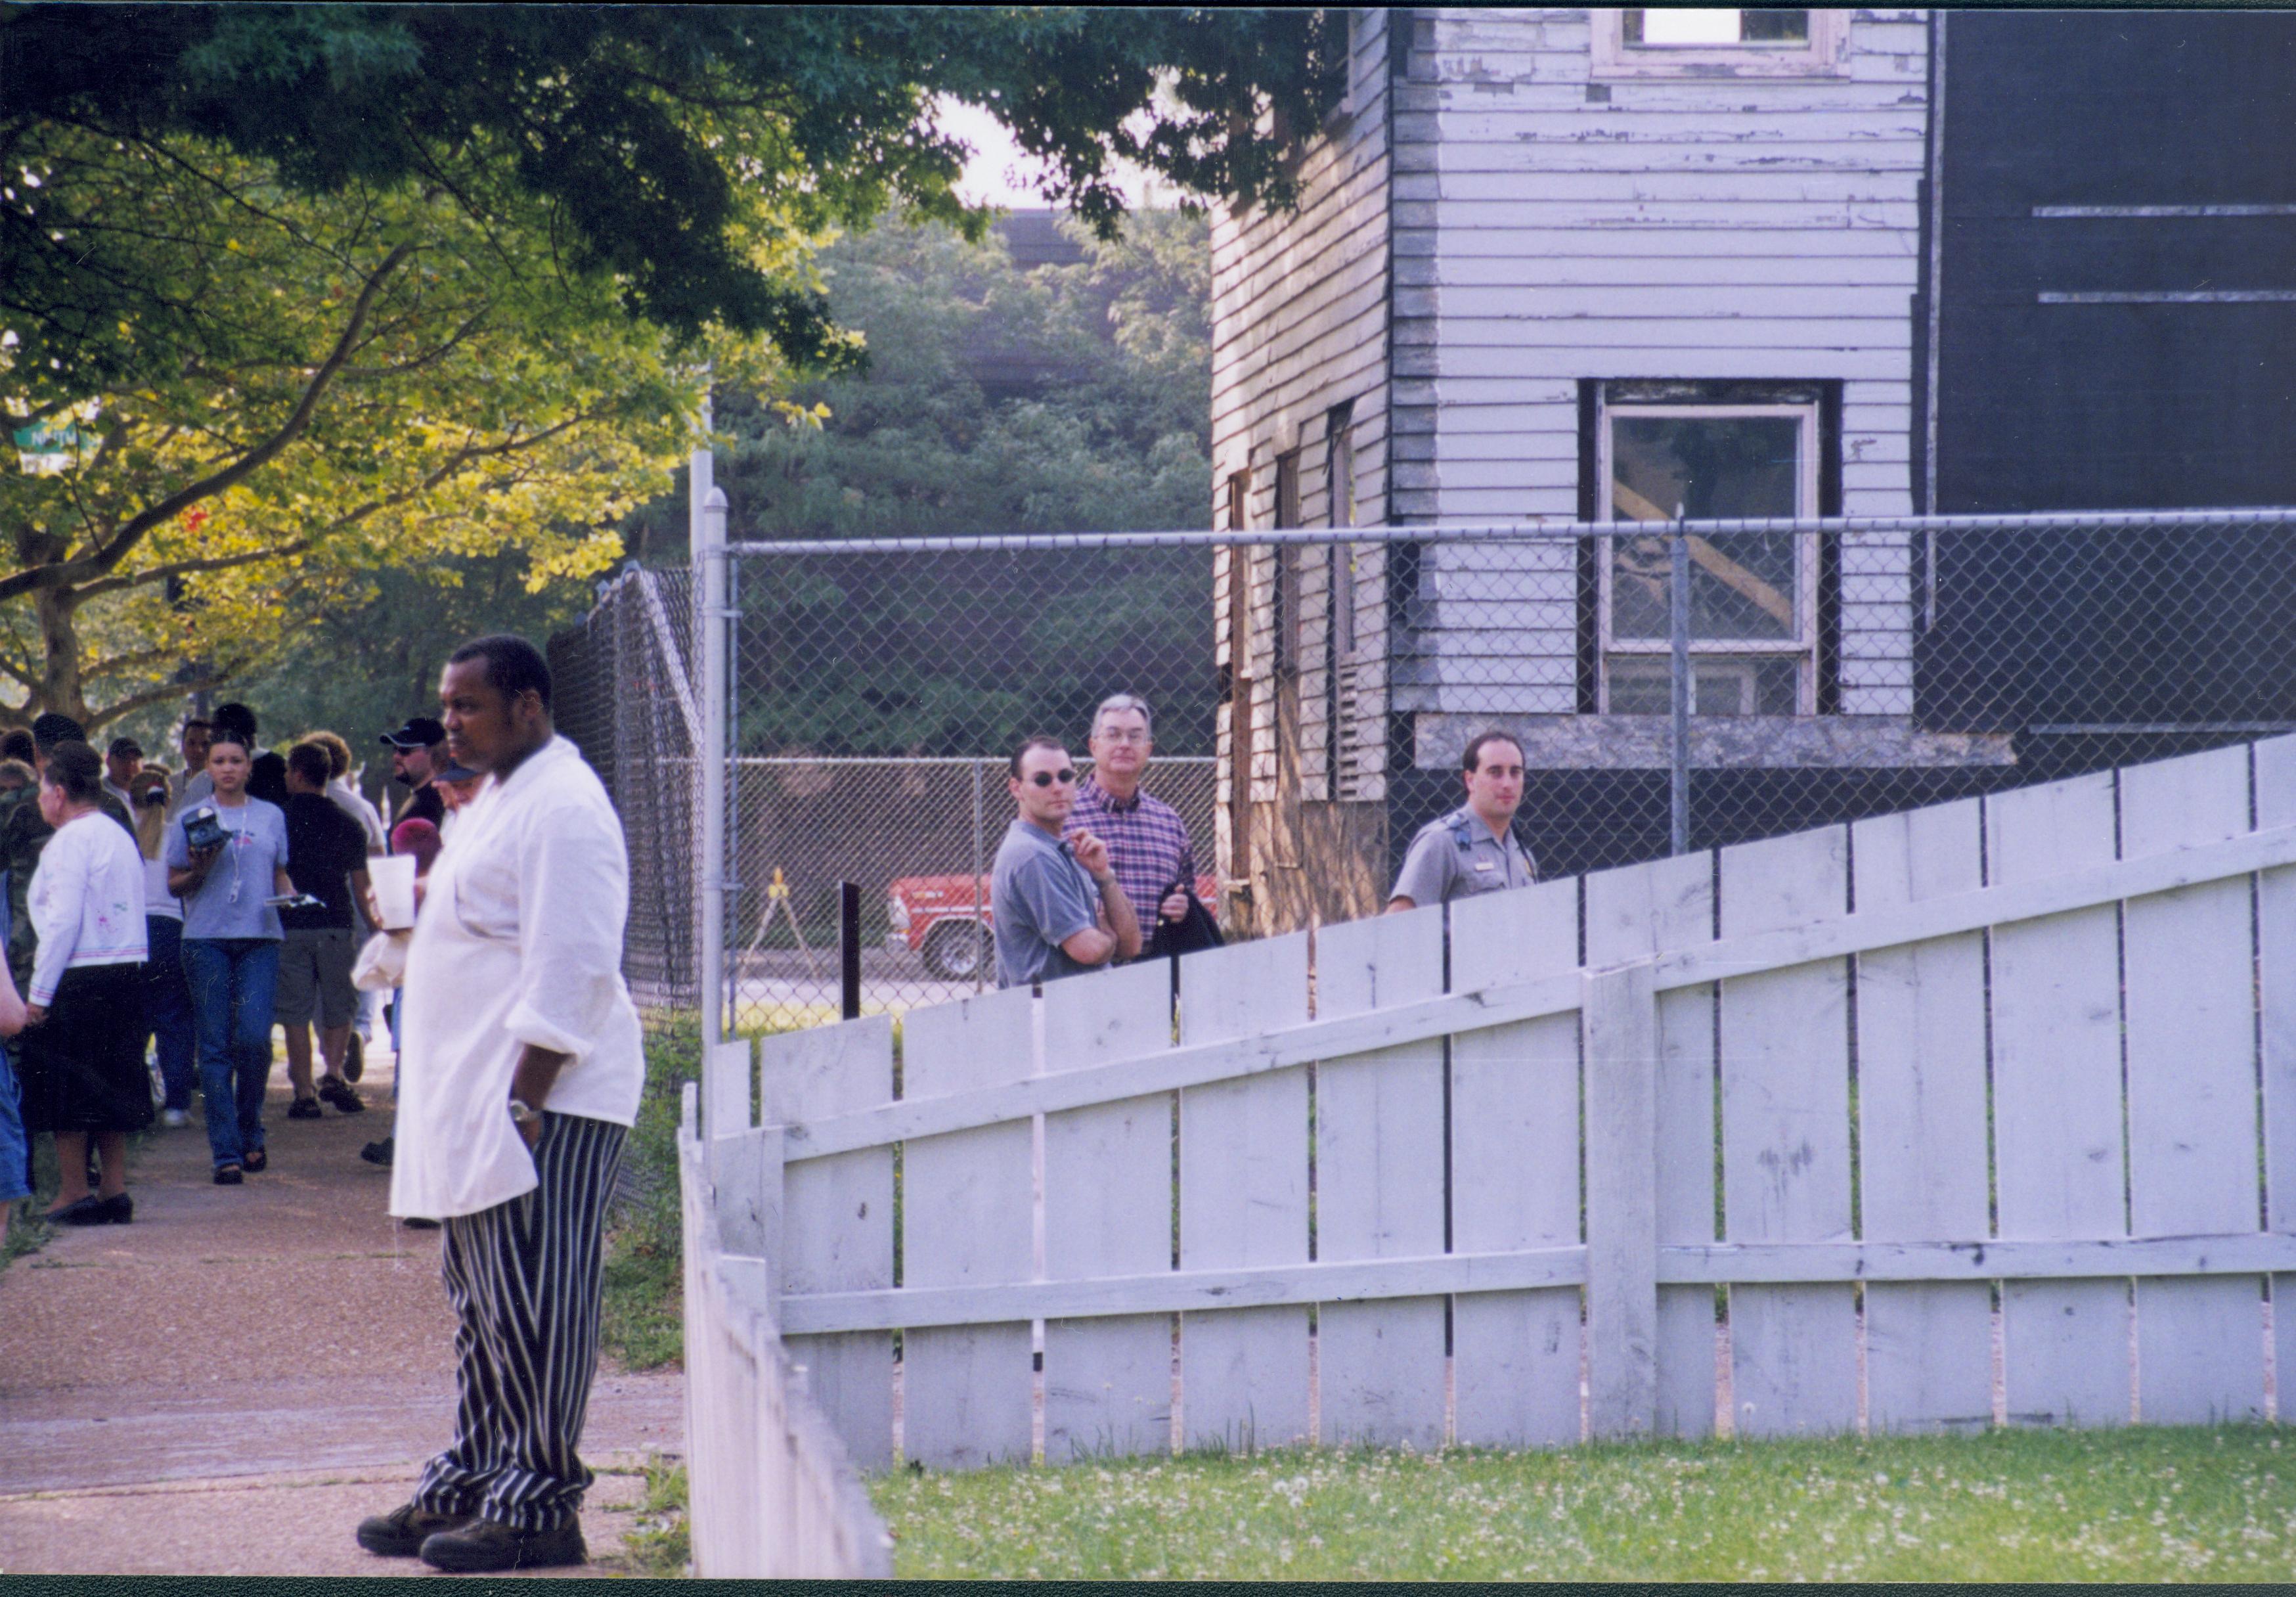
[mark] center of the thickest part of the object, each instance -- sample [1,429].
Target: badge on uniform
[1482,865]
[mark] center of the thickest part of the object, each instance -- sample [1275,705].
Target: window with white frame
[1752,595]
[1712,42]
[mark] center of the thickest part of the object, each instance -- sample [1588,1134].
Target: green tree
[1071,398]
[292,294]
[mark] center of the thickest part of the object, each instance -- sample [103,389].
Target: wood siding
[1550,228]
[1300,317]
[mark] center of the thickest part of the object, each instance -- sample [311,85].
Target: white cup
[393,879]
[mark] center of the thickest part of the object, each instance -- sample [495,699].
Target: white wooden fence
[1865,1078]
[769,1489]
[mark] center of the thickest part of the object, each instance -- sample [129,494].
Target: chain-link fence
[1672,685]
[623,694]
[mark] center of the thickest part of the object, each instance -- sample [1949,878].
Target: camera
[201,829]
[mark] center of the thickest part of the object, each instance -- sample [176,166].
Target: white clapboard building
[1543,257]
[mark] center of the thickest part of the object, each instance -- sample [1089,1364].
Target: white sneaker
[174,1119]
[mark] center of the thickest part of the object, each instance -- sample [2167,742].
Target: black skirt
[82,1068]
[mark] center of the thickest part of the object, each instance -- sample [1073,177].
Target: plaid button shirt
[1148,845]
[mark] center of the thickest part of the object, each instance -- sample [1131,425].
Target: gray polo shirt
[1039,897]
[1454,855]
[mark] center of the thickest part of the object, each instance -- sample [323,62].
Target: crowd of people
[161,923]
[1094,870]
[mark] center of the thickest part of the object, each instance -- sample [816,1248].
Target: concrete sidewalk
[229,1383]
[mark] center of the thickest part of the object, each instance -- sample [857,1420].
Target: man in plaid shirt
[1148,845]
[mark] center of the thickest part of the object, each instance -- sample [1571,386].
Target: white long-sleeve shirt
[519,942]
[86,902]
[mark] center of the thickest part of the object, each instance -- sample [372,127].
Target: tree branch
[72,572]
[187,568]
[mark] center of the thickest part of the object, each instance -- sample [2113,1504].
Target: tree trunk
[61,688]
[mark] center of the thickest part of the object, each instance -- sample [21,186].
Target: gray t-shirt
[1040,897]
[1450,860]
[230,902]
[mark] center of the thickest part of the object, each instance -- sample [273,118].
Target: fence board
[1786,1137]
[1922,1165]
[837,1218]
[1619,1017]
[1514,1174]
[1378,1184]
[1108,1212]
[1655,909]
[1243,1198]
[2276,906]
[968,1207]
[2056,1097]
[2191,1092]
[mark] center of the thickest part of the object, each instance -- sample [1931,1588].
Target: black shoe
[489,1544]
[80,1211]
[419,1222]
[228,1175]
[378,1153]
[117,1211]
[338,1092]
[354,1059]
[401,1532]
[303,1108]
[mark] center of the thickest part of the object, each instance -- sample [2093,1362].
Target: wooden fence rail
[1867,1088]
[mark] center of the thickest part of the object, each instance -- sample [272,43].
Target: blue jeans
[168,1008]
[15,1154]
[232,981]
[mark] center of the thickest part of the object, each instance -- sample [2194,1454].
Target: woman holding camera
[83,1047]
[225,860]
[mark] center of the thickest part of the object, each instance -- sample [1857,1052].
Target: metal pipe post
[708,504]
[849,949]
[1678,683]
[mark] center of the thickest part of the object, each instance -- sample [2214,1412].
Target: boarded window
[1752,595]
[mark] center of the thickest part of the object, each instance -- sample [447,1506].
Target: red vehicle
[947,919]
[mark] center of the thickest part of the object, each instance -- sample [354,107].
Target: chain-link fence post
[710,572]
[1678,683]
[980,821]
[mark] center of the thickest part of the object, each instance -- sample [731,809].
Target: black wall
[2114,405]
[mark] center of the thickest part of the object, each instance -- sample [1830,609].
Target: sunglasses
[1065,777]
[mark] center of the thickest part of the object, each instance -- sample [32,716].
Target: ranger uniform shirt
[1454,855]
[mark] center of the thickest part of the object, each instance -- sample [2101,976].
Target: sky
[999,174]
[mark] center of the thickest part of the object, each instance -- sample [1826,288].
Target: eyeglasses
[1129,735]
[1065,777]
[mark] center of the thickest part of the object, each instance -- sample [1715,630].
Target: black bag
[1195,930]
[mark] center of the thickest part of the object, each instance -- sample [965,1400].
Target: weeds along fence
[1845,1094]
[770,1491]
[1674,686]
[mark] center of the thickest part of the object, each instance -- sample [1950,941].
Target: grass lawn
[2136,1504]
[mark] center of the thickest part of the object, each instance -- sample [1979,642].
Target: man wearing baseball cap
[417,752]
[121,761]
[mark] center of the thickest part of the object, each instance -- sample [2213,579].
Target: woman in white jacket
[83,1046]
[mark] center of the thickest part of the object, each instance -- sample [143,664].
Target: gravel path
[227,1385]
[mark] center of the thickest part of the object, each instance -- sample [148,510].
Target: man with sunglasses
[1057,905]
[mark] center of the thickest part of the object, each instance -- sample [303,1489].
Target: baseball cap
[125,745]
[420,732]
[457,771]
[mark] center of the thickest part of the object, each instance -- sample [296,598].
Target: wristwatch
[521,1111]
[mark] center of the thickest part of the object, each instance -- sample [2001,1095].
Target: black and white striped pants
[523,1279]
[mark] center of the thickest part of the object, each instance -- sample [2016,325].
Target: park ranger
[1472,849]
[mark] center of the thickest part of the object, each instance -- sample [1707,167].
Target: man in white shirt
[521,1074]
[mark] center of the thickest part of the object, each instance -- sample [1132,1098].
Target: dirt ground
[229,1383]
